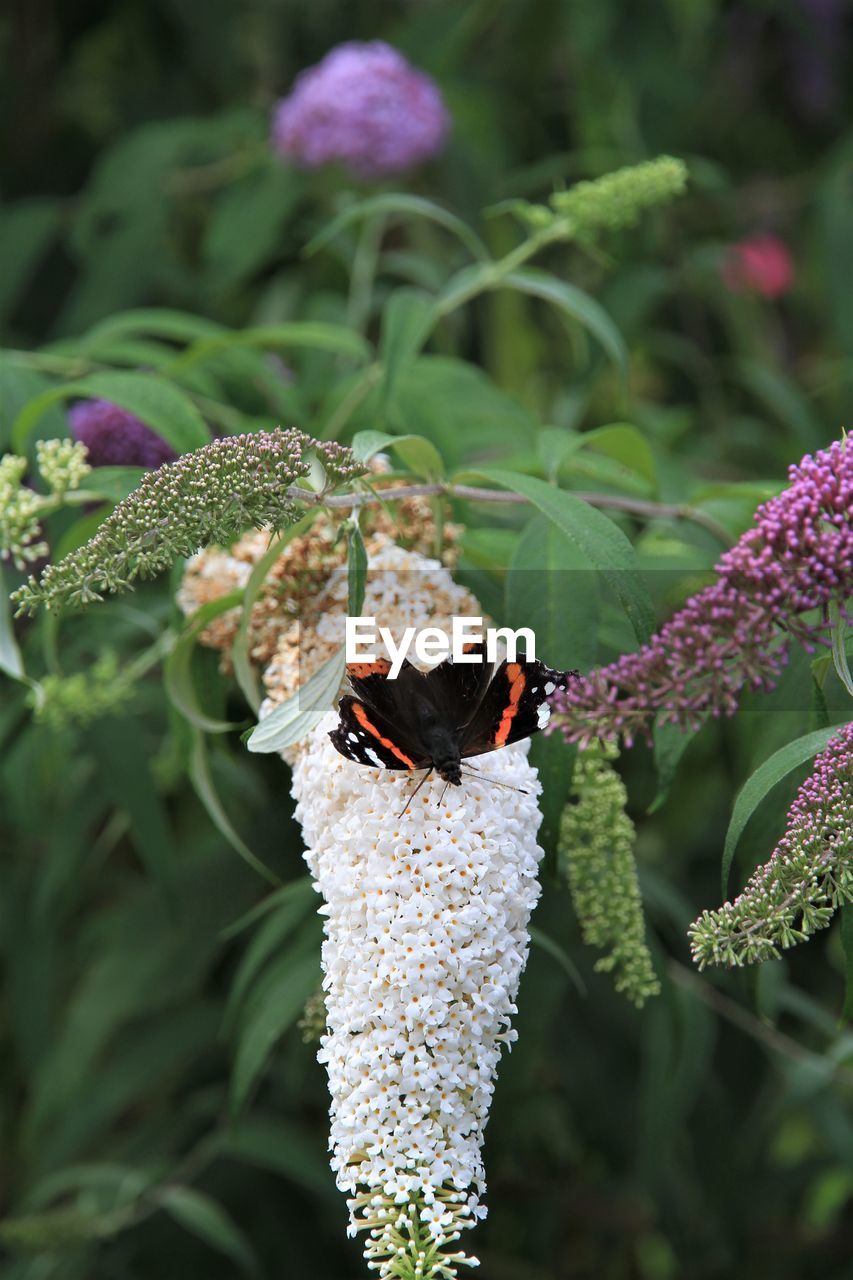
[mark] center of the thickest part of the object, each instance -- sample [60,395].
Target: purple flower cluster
[115,438]
[773,585]
[807,877]
[365,106]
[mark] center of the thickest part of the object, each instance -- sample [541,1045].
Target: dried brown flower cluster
[296,584]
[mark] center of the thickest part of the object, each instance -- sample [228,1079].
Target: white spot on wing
[550,687]
[543,715]
[371,755]
[353,737]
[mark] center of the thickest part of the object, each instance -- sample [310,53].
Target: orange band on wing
[517,681]
[363,719]
[361,670]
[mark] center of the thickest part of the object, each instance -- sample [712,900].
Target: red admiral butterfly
[436,719]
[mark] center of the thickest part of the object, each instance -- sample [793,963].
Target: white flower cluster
[425,939]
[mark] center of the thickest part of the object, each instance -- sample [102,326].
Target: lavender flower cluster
[114,437]
[365,106]
[808,876]
[773,586]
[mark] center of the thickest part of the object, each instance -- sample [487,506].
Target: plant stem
[467,493]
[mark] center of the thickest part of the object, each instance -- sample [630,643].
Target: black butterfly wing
[514,706]
[366,736]
[455,689]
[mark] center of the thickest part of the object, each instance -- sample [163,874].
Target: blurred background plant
[154,272]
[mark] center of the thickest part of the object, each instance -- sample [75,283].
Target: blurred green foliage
[148,236]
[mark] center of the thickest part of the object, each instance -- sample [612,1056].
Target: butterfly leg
[415,792]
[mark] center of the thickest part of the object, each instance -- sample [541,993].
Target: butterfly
[435,719]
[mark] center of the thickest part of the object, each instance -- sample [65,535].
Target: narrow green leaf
[309,333]
[839,647]
[416,452]
[575,304]
[125,775]
[280,896]
[157,402]
[670,743]
[601,541]
[11,661]
[847,945]
[762,781]
[552,587]
[159,322]
[113,483]
[276,1004]
[356,569]
[267,1142]
[625,444]
[406,321]
[406,206]
[177,669]
[552,948]
[206,1219]
[266,943]
[200,777]
[291,720]
[244,672]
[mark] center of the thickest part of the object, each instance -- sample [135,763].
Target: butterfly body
[436,719]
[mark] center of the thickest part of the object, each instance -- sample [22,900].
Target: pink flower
[760,264]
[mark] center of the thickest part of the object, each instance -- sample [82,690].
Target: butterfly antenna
[415,792]
[484,777]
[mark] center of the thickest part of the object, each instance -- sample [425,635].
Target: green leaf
[763,780]
[266,1141]
[177,669]
[206,1219]
[157,402]
[553,588]
[279,897]
[296,717]
[267,942]
[847,945]
[244,672]
[406,321]
[839,647]
[277,1001]
[27,228]
[113,483]
[575,304]
[624,444]
[416,452]
[11,661]
[200,777]
[158,322]
[670,743]
[309,333]
[406,206]
[245,228]
[356,569]
[552,948]
[124,770]
[604,545]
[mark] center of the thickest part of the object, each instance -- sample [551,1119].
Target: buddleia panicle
[610,203]
[62,465]
[208,496]
[809,875]
[597,852]
[777,584]
[75,701]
